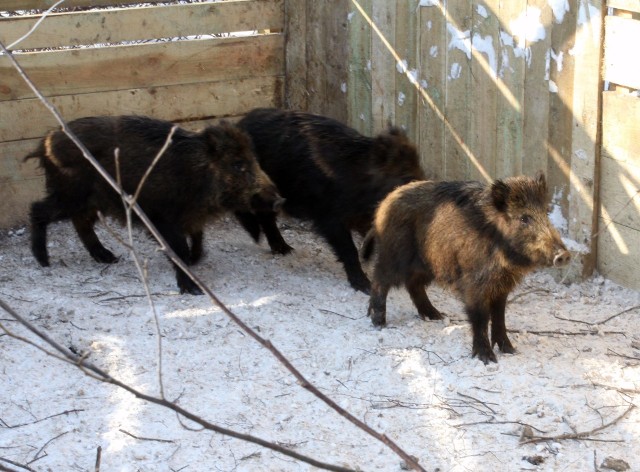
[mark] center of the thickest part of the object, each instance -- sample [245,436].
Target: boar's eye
[526,220]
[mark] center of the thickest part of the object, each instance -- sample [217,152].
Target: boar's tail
[368,244]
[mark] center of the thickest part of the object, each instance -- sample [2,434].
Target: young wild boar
[329,174]
[200,175]
[475,239]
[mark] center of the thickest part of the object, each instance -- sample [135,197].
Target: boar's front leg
[196,246]
[178,242]
[378,304]
[339,237]
[479,317]
[498,326]
[83,223]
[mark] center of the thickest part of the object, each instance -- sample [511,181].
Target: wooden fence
[120,61]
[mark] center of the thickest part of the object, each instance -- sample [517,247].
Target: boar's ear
[541,181]
[500,195]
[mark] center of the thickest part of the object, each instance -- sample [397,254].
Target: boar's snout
[268,199]
[561,258]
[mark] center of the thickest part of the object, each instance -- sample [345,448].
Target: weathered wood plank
[483,85]
[560,78]
[383,65]
[458,109]
[585,153]
[359,78]
[621,65]
[536,87]
[12,5]
[406,40]
[629,5]
[296,95]
[619,253]
[327,58]
[433,80]
[620,200]
[167,21]
[143,65]
[510,101]
[21,119]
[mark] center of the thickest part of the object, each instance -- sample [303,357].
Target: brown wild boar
[329,174]
[199,176]
[479,240]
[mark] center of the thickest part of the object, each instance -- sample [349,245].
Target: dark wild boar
[199,176]
[329,174]
[476,239]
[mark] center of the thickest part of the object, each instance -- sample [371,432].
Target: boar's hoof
[432,315]
[505,346]
[484,353]
[187,285]
[379,319]
[281,248]
[104,256]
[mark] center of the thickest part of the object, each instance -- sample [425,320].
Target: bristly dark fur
[200,175]
[329,174]
[478,240]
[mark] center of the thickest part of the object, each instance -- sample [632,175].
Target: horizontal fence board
[621,65]
[30,119]
[143,65]
[144,23]
[12,5]
[619,253]
[629,5]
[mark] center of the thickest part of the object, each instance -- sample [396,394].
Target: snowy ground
[414,381]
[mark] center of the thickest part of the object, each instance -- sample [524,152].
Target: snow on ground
[413,381]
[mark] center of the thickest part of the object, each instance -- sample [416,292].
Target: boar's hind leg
[498,327]
[479,318]
[178,242]
[378,304]
[196,247]
[416,283]
[42,213]
[339,237]
[83,223]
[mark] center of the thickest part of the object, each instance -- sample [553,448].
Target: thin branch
[583,435]
[141,438]
[22,466]
[66,412]
[98,459]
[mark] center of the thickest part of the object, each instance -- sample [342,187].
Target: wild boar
[198,177]
[478,240]
[329,174]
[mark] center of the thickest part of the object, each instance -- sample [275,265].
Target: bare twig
[579,436]
[22,466]
[140,438]
[66,412]
[35,26]
[37,455]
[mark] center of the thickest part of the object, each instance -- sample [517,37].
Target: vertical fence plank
[510,102]
[296,54]
[383,65]
[406,47]
[359,73]
[533,40]
[433,79]
[483,89]
[457,105]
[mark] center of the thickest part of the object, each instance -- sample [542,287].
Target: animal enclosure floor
[577,366]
